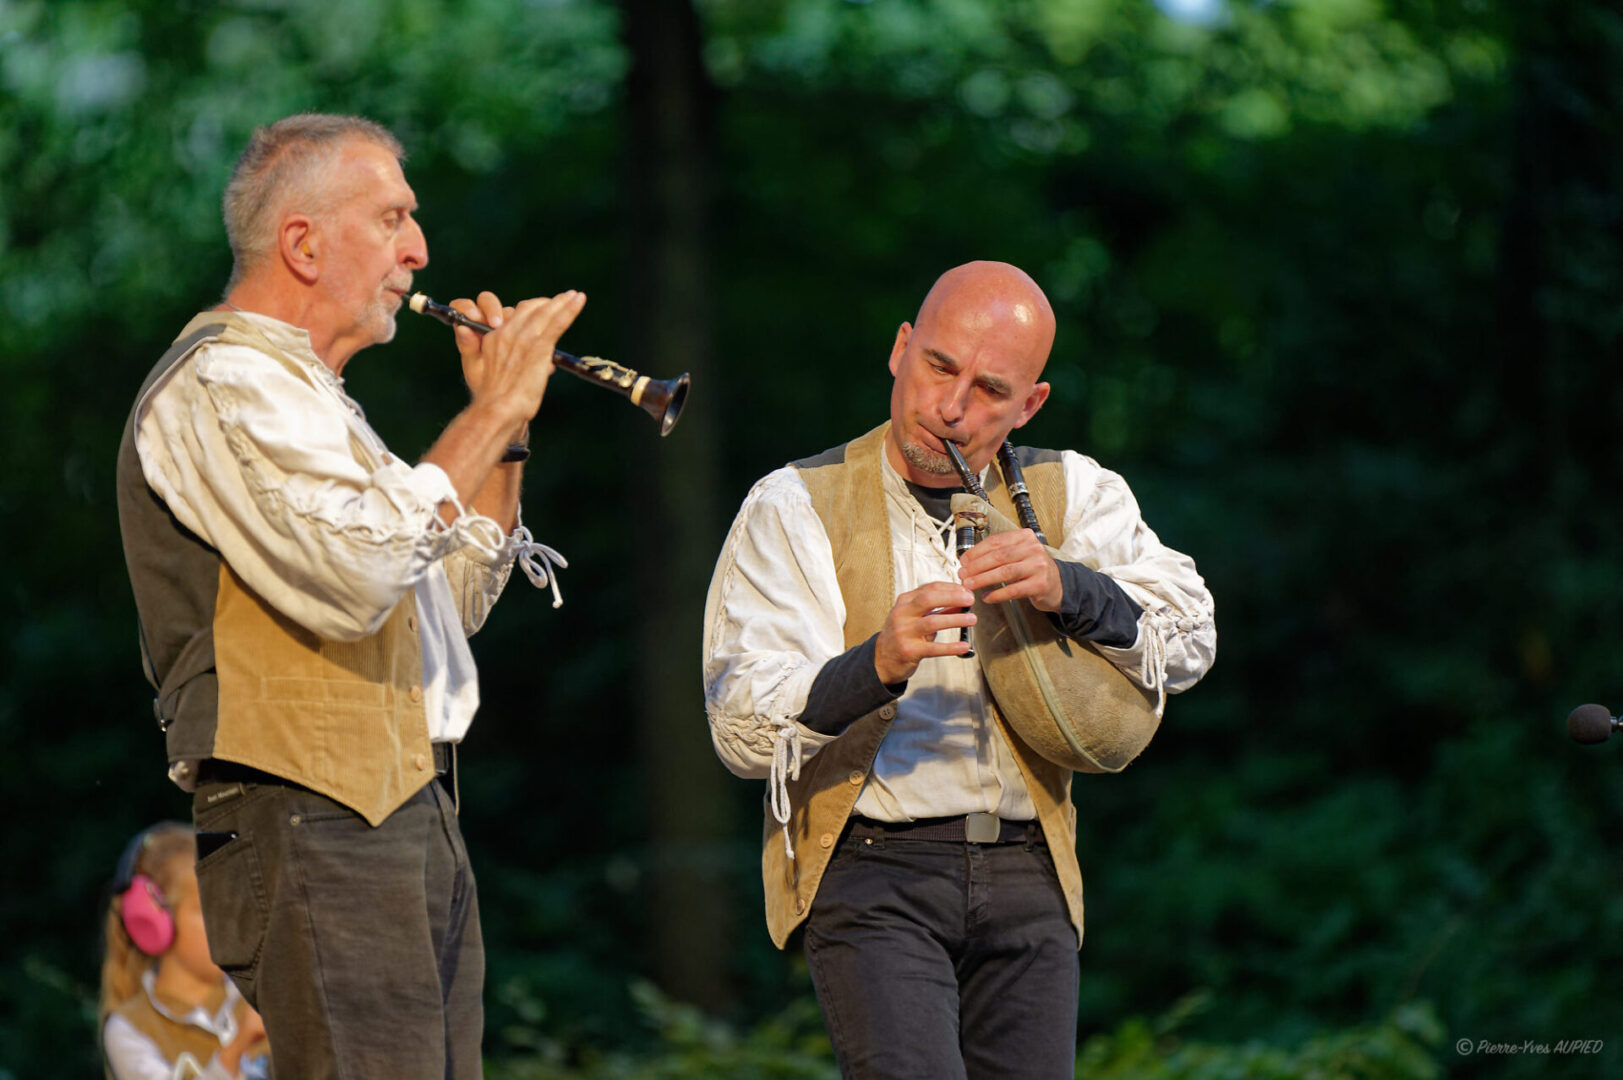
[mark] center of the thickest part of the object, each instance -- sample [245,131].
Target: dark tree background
[1338,286]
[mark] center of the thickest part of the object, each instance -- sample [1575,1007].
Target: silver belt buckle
[982,828]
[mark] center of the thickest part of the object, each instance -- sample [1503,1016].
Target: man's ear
[1034,401]
[299,248]
[903,334]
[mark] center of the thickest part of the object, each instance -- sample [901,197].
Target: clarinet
[661,399]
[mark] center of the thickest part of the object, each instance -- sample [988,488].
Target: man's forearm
[469,451]
[498,499]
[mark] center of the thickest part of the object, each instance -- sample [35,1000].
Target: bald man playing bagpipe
[919,824]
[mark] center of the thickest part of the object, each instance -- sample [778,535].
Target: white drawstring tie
[539,562]
[1158,625]
[786,758]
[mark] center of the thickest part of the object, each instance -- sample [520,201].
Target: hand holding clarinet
[508,371]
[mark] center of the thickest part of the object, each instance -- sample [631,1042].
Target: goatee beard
[927,461]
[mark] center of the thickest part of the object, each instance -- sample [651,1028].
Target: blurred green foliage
[1338,293]
[793,1046]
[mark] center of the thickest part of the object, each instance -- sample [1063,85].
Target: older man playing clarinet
[305,598]
[927,854]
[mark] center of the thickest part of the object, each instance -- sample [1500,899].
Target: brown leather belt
[966,829]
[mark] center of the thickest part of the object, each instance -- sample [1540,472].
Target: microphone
[1591,724]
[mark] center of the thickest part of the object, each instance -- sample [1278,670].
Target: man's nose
[955,401]
[414,252]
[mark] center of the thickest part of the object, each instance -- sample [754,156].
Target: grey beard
[382,322]
[927,461]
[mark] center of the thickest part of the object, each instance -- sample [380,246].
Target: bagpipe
[1069,703]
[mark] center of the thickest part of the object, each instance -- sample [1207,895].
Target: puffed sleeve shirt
[774,618]
[279,472]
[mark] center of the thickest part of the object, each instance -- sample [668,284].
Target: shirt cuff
[432,485]
[471,533]
[1094,608]
[846,689]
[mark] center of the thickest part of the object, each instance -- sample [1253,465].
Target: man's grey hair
[285,168]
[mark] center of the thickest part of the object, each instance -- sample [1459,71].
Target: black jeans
[945,960]
[359,946]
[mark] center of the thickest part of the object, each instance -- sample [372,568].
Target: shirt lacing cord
[1153,669]
[943,532]
[539,562]
[786,758]
[461,531]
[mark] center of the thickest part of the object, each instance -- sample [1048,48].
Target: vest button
[827,840]
[416,693]
[800,906]
[420,761]
[887,711]
[855,778]
[411,623]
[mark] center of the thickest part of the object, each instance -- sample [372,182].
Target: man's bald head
[968,372]
[994,295]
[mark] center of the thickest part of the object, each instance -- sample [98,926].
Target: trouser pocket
[231,889]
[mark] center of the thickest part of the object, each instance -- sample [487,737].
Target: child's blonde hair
[167,855]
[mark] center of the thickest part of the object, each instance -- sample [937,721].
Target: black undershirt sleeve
[846,689]
[1094,608]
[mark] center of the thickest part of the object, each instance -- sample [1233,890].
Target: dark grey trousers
[945,960]
[359,946]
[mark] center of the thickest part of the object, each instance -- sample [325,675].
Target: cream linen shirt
[263,466]
[774,616]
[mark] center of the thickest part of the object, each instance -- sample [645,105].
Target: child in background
[167,1012]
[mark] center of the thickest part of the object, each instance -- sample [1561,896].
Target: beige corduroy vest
[239,681]
[846,490]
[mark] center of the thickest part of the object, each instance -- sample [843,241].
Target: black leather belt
[967,829]
[215,771]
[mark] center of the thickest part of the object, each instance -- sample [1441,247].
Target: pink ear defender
[140,906]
